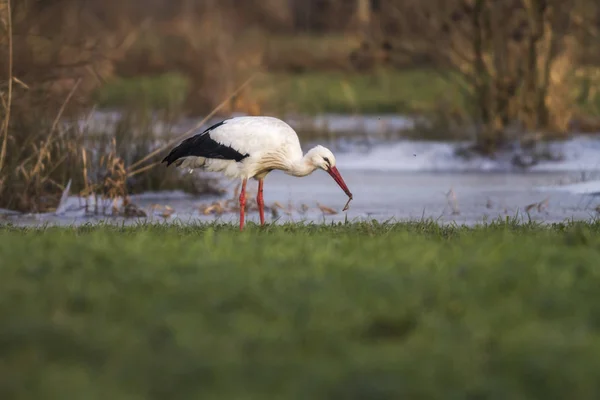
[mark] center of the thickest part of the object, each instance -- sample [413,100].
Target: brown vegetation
[58,53]
[515,58]
[517,61]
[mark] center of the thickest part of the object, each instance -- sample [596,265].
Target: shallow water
[380,195]
[402,180]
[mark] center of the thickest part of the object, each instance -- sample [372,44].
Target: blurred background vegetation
[486,71]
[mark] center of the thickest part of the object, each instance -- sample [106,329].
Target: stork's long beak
[335,174]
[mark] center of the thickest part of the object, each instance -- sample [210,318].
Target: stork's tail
[182,150]
[171,157]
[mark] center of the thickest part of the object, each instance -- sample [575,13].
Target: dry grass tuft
[60,53]
[97,163]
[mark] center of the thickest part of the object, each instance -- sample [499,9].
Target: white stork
[251,147]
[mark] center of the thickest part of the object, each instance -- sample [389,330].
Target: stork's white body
[251,147]
[269,142]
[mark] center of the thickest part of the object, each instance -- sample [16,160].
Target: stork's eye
[327,161]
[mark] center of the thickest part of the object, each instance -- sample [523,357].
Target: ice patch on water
[587,188]
[407,155]
[577,154]
[106,120]
[582,153]
[4,211]
[368,124]
[80,206]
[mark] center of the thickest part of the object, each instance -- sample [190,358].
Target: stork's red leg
[261,202]
[242,203]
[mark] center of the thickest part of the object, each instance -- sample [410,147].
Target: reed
[50,140]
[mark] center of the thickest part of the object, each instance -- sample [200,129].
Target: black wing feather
[202,145]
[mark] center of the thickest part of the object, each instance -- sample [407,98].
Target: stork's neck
[301,167]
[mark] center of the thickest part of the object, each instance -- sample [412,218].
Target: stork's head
[322,157]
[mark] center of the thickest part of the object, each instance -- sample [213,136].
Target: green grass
[377,311]
[165,92]
[382,91]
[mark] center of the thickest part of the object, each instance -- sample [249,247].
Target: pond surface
[399,180]
[463,198]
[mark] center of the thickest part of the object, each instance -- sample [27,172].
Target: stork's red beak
[335,174]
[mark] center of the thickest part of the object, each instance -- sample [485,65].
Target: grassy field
[377,311]
[381,91]
[314,92]
[166,91]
